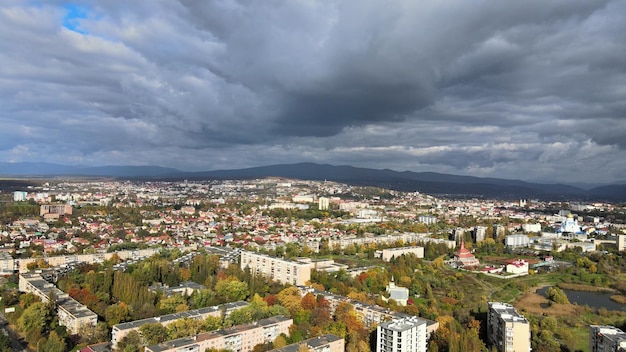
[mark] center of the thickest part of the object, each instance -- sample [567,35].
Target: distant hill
[424,182]
[48,169]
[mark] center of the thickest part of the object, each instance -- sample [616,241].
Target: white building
[519,266]
[390,253]
[606,339]
[479,233]
[427,219]
[515,241]
[323,203]
[532,227]
[19,196]
[402,335]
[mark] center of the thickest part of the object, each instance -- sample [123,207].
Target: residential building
[323,203]
[532,227]
[390,253]
[507,330]
[240,338]
[71,313]
[401,335]
[19,196]
[479,233]
[55,209]
[282,270]
[427,219]
[606,339]
[119,331]
[324,343]
[515,241]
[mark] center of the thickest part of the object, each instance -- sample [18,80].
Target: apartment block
[72,314]
[606,339]
[402,335]
[119,331]
[56,209]
[507,330]
[240,338]
[390,253]
[324,343]
[282,270]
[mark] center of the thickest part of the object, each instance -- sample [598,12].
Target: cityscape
[312,176]
[285,264]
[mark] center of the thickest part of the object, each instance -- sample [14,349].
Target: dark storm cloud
[482,88]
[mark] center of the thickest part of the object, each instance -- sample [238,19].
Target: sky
[532,90]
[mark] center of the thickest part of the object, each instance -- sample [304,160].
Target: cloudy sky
[532,90]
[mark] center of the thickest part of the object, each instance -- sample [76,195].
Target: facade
[55,209]
[19,196]
[427,219]
[282,270]
[390,253]
[323,203]
[515,241]
[479,233]
[72,314]
[240,338]
[606,339]
[532,227]
[401,335]
[518,266]
[119,331]
[324,343]
[507,330]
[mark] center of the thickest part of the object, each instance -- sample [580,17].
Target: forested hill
[424,182]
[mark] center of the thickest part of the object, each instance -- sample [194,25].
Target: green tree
[153,333]
[54,343]
[231,289]
[34,320]
[117,313]
[173,304]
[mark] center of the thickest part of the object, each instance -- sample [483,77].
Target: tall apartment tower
[606,339]
[402,335]
[507,330]
[323,203]
[479,233]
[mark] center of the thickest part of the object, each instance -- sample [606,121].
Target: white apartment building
[515,241]
[240,338]
[390,253]
[119,331]
[19,196]
[606,339]
[507,330]
[282,270]
[401,335]
[479,233]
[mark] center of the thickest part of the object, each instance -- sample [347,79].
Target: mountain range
[424,182]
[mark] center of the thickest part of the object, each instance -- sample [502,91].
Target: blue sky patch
[74,14]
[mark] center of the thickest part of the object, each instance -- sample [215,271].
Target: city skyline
[532,91]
